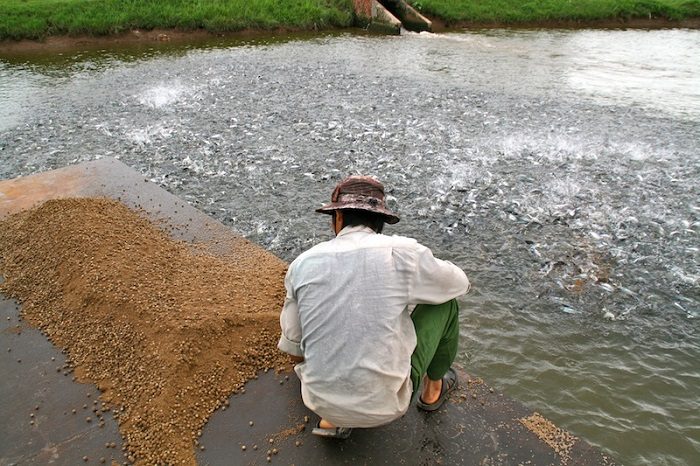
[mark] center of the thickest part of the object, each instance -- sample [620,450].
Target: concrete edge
[382,19]
[420,22]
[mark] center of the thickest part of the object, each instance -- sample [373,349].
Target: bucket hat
[359,193]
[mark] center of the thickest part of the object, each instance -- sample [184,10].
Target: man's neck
[354,229]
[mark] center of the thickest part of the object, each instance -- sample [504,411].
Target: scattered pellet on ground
[166,331]
[559,440]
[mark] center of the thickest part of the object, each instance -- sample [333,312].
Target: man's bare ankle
[325,424]
[431,391]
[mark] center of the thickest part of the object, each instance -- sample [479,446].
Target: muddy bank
[150,39]
[612,23]
[174,37]
[165,331]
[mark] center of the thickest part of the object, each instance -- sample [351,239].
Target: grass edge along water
[38,19]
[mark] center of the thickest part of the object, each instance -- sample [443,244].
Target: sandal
[449,383]
[336,432]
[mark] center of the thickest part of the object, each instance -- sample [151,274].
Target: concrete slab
[410,18]
[383,21]
[477,427]
[38,399]
[112,179]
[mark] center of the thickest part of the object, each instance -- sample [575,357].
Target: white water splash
[149,134]
[163,95]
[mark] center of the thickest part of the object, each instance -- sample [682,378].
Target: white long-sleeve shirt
[347,312]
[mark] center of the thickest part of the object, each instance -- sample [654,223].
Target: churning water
[560,169]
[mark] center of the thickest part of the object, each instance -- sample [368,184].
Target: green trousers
[437,332]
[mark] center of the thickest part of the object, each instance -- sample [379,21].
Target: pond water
[559,169]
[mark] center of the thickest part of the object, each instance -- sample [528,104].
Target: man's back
[350,298]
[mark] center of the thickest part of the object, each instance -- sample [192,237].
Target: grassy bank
[36,19]
[529,11]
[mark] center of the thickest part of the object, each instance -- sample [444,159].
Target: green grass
[520,11]
[35,19]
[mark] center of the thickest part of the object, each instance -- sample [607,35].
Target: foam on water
[163,95]
[149,134]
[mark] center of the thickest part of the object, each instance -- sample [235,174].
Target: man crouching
[369,316]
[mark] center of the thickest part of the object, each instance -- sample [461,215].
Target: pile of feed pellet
[167,332]
[559,440]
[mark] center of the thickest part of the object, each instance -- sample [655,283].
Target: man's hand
[296,359]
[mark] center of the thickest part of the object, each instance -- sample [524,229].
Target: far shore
[47,25]
[163,37]
[138,37]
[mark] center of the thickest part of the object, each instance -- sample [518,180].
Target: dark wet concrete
[478,426]
[35,387]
